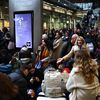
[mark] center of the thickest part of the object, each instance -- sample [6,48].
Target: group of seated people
[46,76]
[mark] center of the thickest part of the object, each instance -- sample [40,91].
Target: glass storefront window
[58,17]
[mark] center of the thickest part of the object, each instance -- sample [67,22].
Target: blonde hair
[86,64]
[83,41]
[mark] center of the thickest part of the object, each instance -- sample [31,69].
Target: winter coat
[74,49]
[57,48]
[79,89]
[54,83]
[18,79]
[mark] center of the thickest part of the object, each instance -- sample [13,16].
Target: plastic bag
[38,65]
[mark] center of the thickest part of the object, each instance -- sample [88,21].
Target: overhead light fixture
[58,0]
[6,7]
[65,4]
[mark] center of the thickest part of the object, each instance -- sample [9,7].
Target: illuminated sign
[23,22]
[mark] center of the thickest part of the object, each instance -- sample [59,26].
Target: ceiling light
[6,7]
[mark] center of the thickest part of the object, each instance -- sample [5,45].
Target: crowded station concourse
[50,50]
[29,73]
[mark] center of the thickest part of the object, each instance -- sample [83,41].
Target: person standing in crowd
[97,52]
[1,39]
[8,41]
[6,37]
[1,35]
[83,83]
[51,35]
[79,44]
[66,49]
[5,57]
[57,45]
[5,30]
[90,44]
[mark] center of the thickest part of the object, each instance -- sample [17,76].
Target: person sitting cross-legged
[53,85]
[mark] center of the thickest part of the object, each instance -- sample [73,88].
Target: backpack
[53,81]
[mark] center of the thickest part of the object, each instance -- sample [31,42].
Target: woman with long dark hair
[45,52]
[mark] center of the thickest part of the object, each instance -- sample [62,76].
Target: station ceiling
[96,2]
[83,1]
[5,9]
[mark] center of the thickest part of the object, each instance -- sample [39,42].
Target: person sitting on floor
[52,87]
